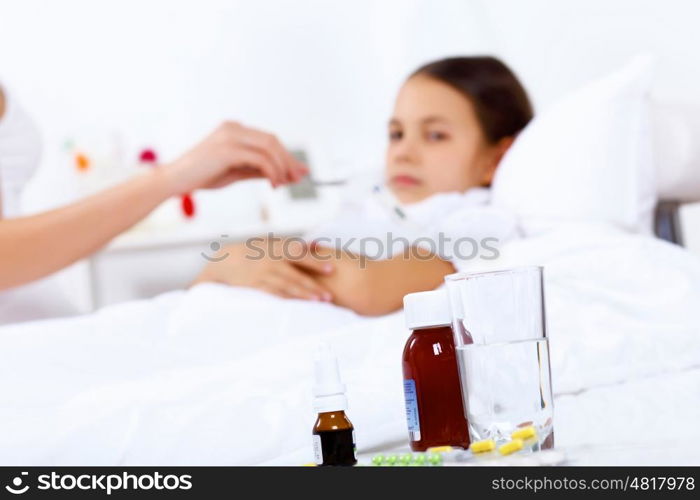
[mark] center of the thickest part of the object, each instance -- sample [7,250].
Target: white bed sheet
[219,375]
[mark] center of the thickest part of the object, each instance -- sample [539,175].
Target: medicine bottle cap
[425,309]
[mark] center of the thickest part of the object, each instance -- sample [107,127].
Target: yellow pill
[440,449]
[524,433]
[483,446]
[511,447]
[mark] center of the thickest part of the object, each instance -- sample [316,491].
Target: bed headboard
[667,221]
[676,149]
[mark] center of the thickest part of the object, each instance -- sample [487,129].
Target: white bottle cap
[329,390]
[424,309]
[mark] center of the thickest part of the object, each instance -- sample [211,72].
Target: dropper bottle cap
[329,391]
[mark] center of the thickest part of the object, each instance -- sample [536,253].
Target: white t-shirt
[459,227]
[20,152]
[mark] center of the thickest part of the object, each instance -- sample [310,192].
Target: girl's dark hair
[501,103]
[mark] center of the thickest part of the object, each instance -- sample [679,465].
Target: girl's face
[436,143]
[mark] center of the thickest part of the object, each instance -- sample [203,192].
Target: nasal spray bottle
[333,433]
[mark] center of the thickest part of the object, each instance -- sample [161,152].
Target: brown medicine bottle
[334,439]
[434,408]
[333,433]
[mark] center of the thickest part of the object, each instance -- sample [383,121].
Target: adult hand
[231,153]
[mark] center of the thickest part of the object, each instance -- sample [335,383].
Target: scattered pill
[483,446]
[524,433]
[440,449]
[511,447]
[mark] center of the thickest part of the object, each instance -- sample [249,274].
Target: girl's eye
[436,136]
[395,135]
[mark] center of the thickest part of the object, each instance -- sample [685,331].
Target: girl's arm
[368,287]
[376,287]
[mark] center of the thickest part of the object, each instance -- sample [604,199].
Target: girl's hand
[232,153]
[288,278]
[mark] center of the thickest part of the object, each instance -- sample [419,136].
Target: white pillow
[585,159]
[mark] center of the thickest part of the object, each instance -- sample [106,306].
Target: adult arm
[35,246]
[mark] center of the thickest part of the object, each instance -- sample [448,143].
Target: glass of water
[498,319]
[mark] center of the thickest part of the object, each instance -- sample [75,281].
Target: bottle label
[318,450]
[354,445]
[409,391]
[336,447]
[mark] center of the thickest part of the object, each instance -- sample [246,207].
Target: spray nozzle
[329,390]
[326,372]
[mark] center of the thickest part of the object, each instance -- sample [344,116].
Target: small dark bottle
[432,391]
[333,433]
[334,439]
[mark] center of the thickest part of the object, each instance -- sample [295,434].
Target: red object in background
[148,156]
[431,381]
[187,203]
[82,162]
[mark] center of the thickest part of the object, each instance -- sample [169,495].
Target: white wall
[317,72]
[164,72]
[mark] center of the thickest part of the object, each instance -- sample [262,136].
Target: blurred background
[109,79]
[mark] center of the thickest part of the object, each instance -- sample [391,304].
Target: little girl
[453,121]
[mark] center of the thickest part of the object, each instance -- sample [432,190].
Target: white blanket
[219,375]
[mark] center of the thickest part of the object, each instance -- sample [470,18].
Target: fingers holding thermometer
[287,167]
[233,152]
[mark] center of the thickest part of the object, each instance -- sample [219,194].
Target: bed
[222,376]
